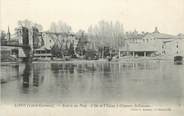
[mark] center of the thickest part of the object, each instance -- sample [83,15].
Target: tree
[135,34]
[56,51]
[71,50]
[60,33]
[107,35]
[60,27]
[29,24]
[3,37]
[82,42]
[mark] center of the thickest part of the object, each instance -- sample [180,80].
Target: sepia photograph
[92,57]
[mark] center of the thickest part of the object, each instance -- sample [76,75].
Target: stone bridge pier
[26,39]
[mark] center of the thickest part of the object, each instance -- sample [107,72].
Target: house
[136,45]
[153,44]
[166,44]
[42,53]
[63,41]
[8,53]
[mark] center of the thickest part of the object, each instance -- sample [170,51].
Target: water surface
[93,82]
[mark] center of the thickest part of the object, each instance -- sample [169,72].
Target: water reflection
[31,77]
[26,75]
[95,82]
[9,72]
[38,78]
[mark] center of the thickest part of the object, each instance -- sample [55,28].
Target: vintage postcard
[92,57]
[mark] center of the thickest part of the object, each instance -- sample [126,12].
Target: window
[38,51]
[42,51]
[48,51]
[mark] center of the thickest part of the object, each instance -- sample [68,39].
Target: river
[152,82]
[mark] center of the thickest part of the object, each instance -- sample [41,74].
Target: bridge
[16,45]
[27,40]
[23,40]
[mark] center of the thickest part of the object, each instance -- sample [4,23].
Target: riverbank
[119,60]
[75,61]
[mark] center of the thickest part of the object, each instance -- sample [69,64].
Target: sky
[142,15]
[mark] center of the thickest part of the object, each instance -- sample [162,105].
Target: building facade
[153,44]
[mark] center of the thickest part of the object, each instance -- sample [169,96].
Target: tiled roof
[161,36]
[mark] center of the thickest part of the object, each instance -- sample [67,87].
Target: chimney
[156,30]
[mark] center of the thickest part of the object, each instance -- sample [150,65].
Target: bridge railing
[14,44]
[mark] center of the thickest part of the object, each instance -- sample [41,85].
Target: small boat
[178,60]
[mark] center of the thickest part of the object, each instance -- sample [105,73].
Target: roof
[131,36]
[181,36]
[43,48]
[7,47]
[161,36]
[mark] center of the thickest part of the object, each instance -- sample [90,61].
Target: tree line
[105,36]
